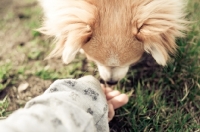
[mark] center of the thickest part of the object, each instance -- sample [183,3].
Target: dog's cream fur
[114,33]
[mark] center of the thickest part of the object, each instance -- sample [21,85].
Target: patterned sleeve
[67,105]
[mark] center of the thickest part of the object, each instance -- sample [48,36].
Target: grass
[3,107]
[4,75]
[162,99]
[167,99]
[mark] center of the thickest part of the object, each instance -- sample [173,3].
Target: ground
[161,98]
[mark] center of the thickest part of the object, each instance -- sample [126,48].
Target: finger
[119,101]
[112,94]
[103,88]
[107,89]
[111,112]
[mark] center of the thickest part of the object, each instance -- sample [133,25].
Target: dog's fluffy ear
[70,22]
[157,23]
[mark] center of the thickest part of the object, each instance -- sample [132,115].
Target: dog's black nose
[111,82]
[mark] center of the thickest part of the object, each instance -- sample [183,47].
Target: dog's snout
[110,75]
[111,82]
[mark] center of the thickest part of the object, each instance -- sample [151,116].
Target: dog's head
[114,34]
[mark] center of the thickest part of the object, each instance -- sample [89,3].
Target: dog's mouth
[108,84]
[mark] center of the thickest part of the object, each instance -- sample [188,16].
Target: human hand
[115,100]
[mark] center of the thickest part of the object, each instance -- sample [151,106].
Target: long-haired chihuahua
[114,33]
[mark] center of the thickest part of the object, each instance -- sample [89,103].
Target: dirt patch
[35,88]
[5,6]
[18,46]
